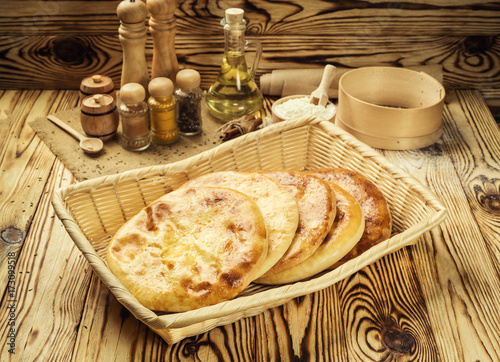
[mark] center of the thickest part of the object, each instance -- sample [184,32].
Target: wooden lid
[132,12]
[98,103]
[161,87]
[97,84]
[132,93]
[188,78]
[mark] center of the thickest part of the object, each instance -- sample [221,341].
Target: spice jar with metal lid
[134,114]
[162,111]
[188,96]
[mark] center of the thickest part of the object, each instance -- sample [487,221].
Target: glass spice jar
[134,114]
[188,96]
[162,111]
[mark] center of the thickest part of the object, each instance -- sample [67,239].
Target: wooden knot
[474,45]
[70,50]
[12,235]
[397,340]
[190,349]
[488,194]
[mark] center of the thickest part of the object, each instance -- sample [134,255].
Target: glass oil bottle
[235,93]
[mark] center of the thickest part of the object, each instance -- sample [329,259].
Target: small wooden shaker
[97,84]
[162,27]
[133,35]
[99,116]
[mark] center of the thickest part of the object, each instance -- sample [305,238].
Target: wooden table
[435,301]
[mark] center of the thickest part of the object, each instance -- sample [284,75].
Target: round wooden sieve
[391,104]
[389,143]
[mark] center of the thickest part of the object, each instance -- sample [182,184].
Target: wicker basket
[93,210]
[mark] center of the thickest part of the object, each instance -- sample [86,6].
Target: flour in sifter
[297,107]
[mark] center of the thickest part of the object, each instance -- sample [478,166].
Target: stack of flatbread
[205,242]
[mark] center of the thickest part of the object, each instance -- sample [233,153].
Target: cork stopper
[234,15]
[161,87]
[132,93]
[131,11]
[188,78]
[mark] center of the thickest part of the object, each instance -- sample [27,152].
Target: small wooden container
[391,108]
[99,116]
[97,84]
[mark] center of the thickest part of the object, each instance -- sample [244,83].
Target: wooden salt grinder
[133,34]
[99,116]
[162,27]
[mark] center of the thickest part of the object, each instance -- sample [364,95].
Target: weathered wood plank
[51,284]
[456,307]
[25,164]
[62,62]
[290,17]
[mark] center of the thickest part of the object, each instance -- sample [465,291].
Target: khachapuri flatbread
[344,234]
[278,207]
[191,248]
[316,202]
[378,220]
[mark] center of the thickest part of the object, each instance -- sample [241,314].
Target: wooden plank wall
[54,44]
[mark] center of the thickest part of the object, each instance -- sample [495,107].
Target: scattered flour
[297,107]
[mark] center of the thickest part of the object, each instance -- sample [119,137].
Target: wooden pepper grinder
[133,34]
[162,27]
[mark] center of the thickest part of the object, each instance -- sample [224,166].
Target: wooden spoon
[320,95]
[87,144]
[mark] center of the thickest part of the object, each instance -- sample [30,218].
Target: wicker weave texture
[93,210]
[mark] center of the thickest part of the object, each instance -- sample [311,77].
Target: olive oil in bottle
[235,93]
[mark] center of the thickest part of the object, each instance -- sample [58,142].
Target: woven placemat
[114,159]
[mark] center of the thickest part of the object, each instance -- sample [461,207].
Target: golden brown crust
[316,204]
[191,248]
[344,234]
[378,221]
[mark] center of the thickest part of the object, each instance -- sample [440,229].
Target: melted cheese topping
[278,207]
[189,249]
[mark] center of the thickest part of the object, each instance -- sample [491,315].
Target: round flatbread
[344,234]
[316,202]
[378,221]
[278,207]
[191,248]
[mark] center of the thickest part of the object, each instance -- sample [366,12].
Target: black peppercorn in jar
[188,96]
